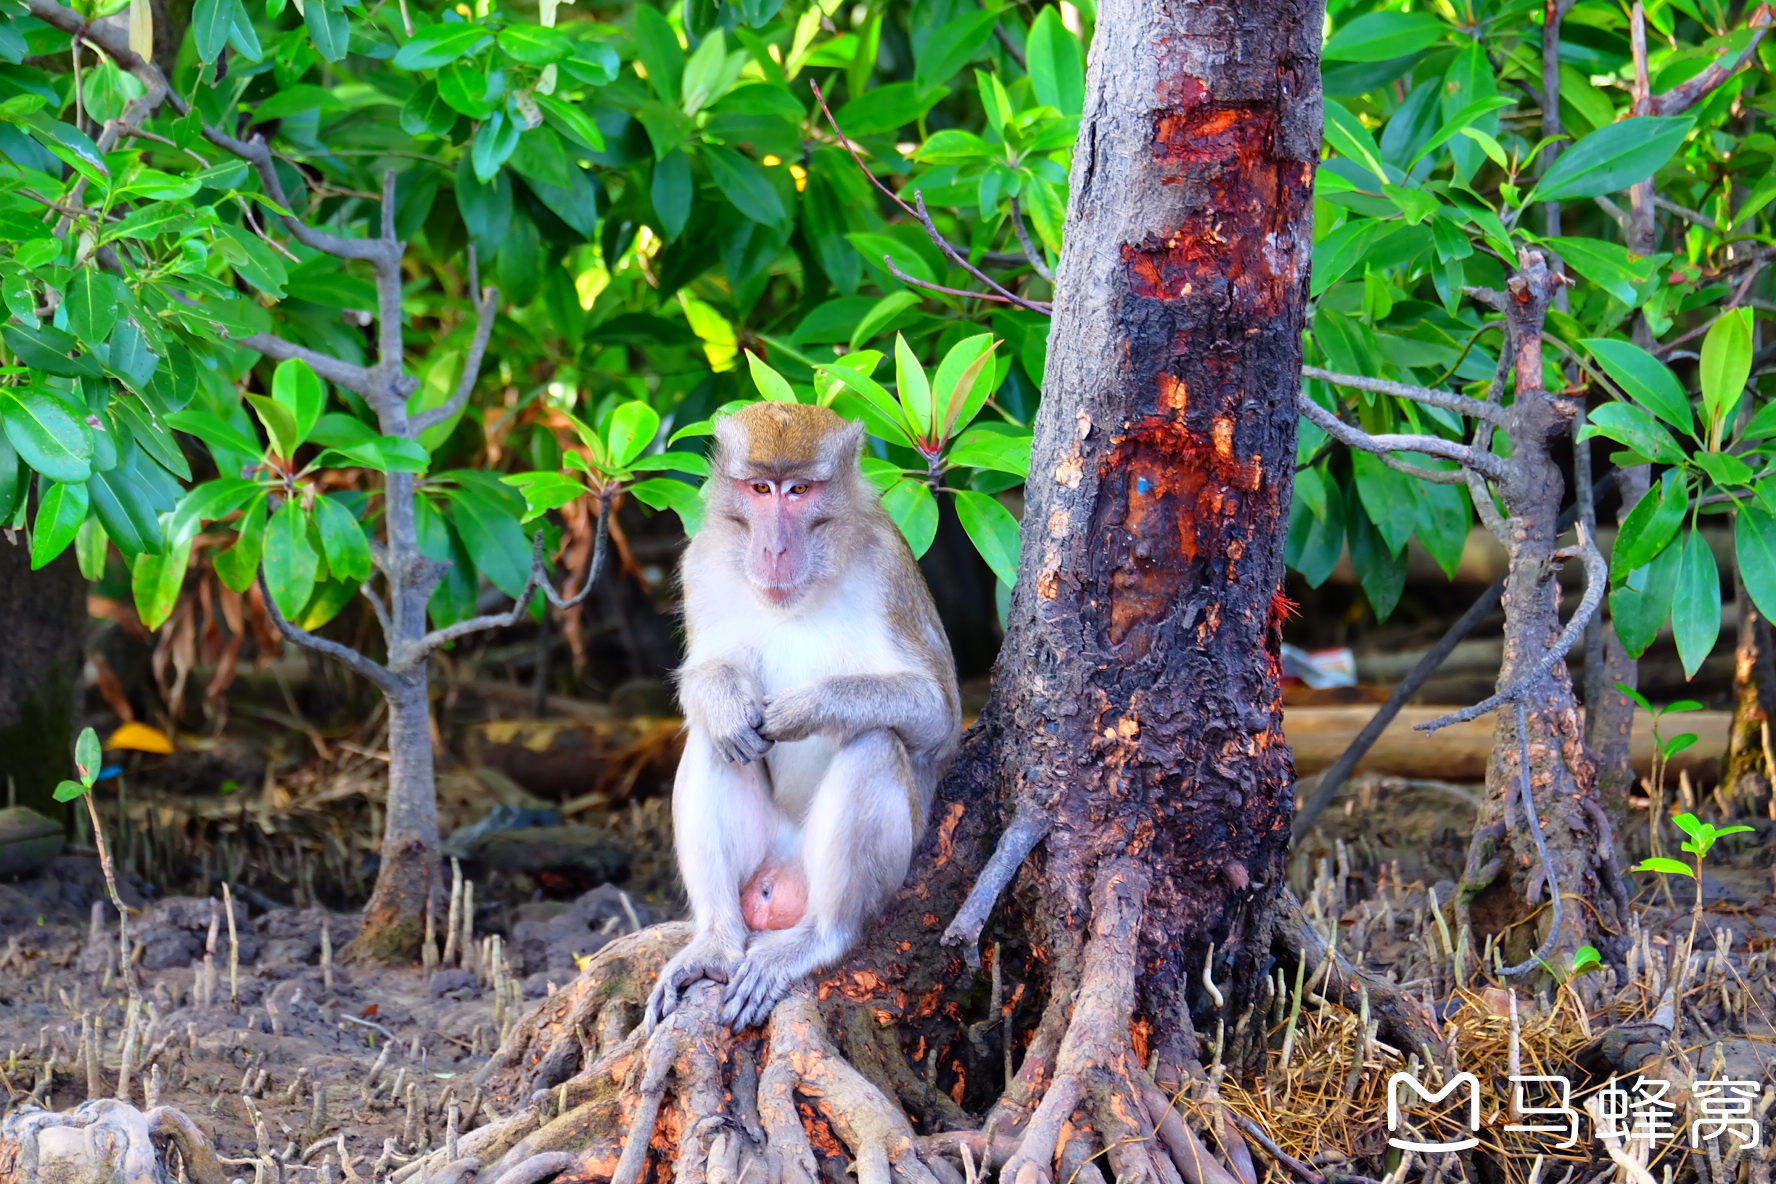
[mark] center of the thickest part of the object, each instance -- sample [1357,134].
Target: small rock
[447,982]
[28,841]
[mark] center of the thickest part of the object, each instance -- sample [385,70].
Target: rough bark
[1505,894]
[1747,778]
[394,917]
[44,619]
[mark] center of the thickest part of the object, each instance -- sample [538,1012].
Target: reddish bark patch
[1171,496]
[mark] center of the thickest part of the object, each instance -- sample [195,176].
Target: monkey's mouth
[779,593]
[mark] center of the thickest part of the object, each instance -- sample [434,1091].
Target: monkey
[821,708]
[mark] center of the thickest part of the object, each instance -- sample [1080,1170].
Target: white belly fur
[838,637]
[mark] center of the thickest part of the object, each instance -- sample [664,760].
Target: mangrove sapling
[1702,838]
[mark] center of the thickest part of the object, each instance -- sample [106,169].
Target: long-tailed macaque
[820,706]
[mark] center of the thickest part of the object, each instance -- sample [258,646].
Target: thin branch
[1435,476]
[389,347]
[1686,95]
[377,673]
[380,609]
[1028,827]
[919,212]
[465,385]
[903,277]
[1352,437]
[1447,400]
[1669,348]
[346,374]
[1035,256]
[1688,215]
[1596,583]
[537,579]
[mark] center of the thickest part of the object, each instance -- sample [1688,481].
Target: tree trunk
[1747,778]
[45,620]
[394,917]
[1134,737]
[1509,873]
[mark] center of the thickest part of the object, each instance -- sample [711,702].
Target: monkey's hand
[704,957]
[793,715]
[739,739]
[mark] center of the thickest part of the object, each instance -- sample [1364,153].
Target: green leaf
[298,387]
[1651,525]
[915,390]
[1638,609]
[47,434]
[60,510]
[469,89]
[771,385]
[994,532]
[1383,36]
[493,538]
[495,141]
[534,45]
[439,44]
[671,462]
[387,454]
[1346,133]
[957,390]
[744,184]
[291,565]
[673,191]
[883,109]
[238,566]
[1056,63]
[129,507]
[1608,265]
[1668,866]
[214,431]
[425,112]
[1696,609]
[1726,366]
[1613,158]
[1754,543]
[664,493]
[1629,425]
[342,540]
[69,791]
[211,22]
[1453,125]
[914,510]
[570,121]
[156,582]
[93,298]
[1002,452]
[545,491]
[633,426]
[881,314]
[952,47]
[1644,378]
[657,47]
[329,28]
[280,424]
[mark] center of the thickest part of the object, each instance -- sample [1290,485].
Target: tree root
[537,1168]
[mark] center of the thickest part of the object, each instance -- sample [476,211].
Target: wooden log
[1459,752]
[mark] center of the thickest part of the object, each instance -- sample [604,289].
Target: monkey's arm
[915,706]
[727,704]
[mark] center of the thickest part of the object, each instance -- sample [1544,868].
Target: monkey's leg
[856,844]
[724,824]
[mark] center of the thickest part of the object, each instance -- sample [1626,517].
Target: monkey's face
[786,549]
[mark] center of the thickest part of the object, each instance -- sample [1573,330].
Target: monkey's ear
[731,442]
[846,442]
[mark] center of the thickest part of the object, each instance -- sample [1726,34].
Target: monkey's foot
[706,957]
[774,962]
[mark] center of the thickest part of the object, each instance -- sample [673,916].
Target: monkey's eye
[759,487]
[799,489]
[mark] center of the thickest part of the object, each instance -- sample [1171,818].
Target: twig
[1483,463]
[919,212]
[1686,95]
[1031,252]
[465,385]
[1596,584]
[375,671]
[1447,400]
[352,377]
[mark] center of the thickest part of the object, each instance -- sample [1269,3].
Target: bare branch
[257,153]
[1688,215]
[919,212]
[465,385]
[1031,252]
[1481,495]
[389,348]
[537,579]
[348,375]
[1682,97]
[1435,476]
[1447,400]
[381,610]
[903,277]
[1482,462]
[374,671]
[1028,827]
[1596,583]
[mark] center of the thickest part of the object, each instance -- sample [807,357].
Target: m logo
[1430,1099]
